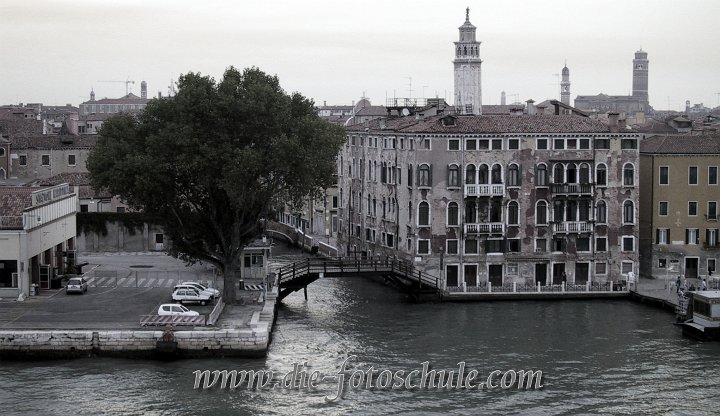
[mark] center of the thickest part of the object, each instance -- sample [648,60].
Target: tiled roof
[73,179]
[492,124]
[685,144]
[19,126]
[500,109]
[373,110]
[97,116]
[53,142]
[13,200]
[128,99]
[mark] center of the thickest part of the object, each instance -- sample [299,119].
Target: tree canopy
[213,159]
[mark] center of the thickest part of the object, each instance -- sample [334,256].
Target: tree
[212,160]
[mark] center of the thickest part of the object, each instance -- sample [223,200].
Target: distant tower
[143,89]
[565,86]
[468,93]
[92,94]
[502,98]
[640,78]
[687,106]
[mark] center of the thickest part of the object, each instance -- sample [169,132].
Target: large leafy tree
[211,161]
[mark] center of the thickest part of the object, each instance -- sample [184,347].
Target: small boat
[703,311]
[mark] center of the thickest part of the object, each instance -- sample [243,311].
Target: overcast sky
[54,52]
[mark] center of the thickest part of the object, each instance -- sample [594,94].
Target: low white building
[37,236]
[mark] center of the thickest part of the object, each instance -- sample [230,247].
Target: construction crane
[127,84]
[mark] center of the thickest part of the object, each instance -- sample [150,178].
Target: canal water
[596,357]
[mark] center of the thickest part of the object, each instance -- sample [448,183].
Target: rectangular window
[583,244]
[542,144]
[584,144]
[691,236]
[663,209]
[711,237]
[559,144]
[558,244]
[425,144]
[628,243]
[662,236]
[453,144]
[692,208]
[513,144]
[23,160]
[483,144]
[692,175]
[627,267]
[120,210]
[390,240]
[628,144]
[470,144]
[664,175]
[512,269]
[513,245]
[600,244]
[540,245]
[603,144]
[471,246]
[712,211]
[497,144]
[600,267]
[662,263]
[423,246]
[451,246]
[334,201]
[45,160]
[712,175]
[494,246]
[711,265]
[571,144]
[83,208]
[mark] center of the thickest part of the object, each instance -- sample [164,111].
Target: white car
[77,285]
[173,309]
[214,292]
[208,292]
[190,295]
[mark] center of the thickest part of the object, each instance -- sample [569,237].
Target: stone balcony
[485,228]
[573,227]
[478,190]
[572,189]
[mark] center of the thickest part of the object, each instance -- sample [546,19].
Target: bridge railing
[330,265]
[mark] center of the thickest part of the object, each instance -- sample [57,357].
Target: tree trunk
[231,277]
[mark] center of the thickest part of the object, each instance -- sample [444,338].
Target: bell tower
[565,86]
[640,77]
[468,92]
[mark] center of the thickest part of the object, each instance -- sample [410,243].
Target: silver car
[76,285]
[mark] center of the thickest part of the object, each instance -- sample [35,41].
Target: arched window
[513,213]
[470,212]
[571,173]
[559,173]
[628,212]
[601,216]
[374,207]
[410,211]
[584,210]
[483,174]
[423,214]
[584,173]
[384,206]
[541,213]
[453,175]
[410,175]
[424,175]
[496,174]
[558,211]
[629,175]
[470,174]
[541,176]
[495,211]
[2,151]
[452,214]
[601,175]
[513,175]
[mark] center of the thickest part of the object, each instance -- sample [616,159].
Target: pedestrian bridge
[400,273]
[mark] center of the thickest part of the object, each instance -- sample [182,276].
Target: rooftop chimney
[531,107]
[613,122]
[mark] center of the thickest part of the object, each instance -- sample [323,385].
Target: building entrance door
[541,274]
[558,271]
[45,276]
[691,267]
[470,274]
[582,273]
[495,272]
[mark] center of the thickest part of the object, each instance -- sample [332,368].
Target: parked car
[190,295]
[215,293]
[76,285]
[210,293]
[173,309]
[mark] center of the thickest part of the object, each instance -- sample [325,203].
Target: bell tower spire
[565,86]
[468,91]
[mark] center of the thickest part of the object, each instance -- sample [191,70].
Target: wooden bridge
[399,273]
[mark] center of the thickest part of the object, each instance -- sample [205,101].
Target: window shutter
[448,176]
[430,181]
[417,175]
[657,236]
[668,236]
[520,170]
[687,236]
[697,236]
[707,236]
[460,175]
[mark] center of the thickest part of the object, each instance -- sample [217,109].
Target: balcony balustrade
[485,228]
[478,190]
[573,227]
[571,188]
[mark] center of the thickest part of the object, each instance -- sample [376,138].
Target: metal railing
[488,287]
[572,188]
